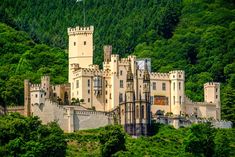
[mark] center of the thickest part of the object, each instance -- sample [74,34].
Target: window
[106,83]
[77,84]
[137,111]
[88,100]
[174,86]
[84,42]
[120,97]
[121,83]
[179,85]
[41,95]
[74,43]
[120,72]
[106,101]
[216,89]
[163,86]
[174,100]
[36,95]
[88,91]
[216,96]
[154,85]
[88,82]
[180,100]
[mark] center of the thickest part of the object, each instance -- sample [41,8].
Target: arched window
[137,111]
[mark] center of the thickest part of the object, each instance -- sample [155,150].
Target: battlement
[211,84]
[156,75]
[115,56]
[80,30]
[35,87]
[124,61]
[177,74]
[108,48]
[94,66]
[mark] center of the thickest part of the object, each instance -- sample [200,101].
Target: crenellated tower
[177,92]
[80,47]
[26,98]
[212,95]
[107,53]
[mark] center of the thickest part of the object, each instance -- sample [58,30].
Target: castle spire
[146,73]
[129,77]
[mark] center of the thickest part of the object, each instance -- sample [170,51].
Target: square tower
[212,95]
[80,47]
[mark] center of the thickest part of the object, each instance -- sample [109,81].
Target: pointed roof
[129,77]
[146,77]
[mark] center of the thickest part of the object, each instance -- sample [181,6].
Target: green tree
[200,140]
[26,136]
[112,140]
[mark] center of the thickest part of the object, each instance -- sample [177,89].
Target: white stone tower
[212,95]
[80,47]
[177,92]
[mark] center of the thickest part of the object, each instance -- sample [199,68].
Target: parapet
[211,84]
[80,30]
[156,75]
[177,74]
[35,87]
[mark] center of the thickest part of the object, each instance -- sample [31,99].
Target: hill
[196,36]
[22,58]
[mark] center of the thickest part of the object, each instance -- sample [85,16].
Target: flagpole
[84,13]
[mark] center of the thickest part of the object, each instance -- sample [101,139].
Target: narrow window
[106,101]
[179,85]
[137,111]
[36,95]
[74,43]
[180,100]
[121,83]
[216,96]
[77,84]
[88,100]
[84,42]
[163,86]
[120,72]
[174,100]
[88,82]
[216,89]
[120,97]
[88,91]
[154,85]
[174,86]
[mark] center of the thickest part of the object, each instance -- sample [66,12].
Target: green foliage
[200,140]
[203,45]
[197,140]
[112,140]
[122,24]
[26,136]
[22,59]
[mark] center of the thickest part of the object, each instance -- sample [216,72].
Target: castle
[125,87]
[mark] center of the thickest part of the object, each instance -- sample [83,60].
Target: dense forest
[195,36]
[36,139]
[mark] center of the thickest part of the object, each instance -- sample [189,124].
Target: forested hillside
[22,59]
[196,36]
